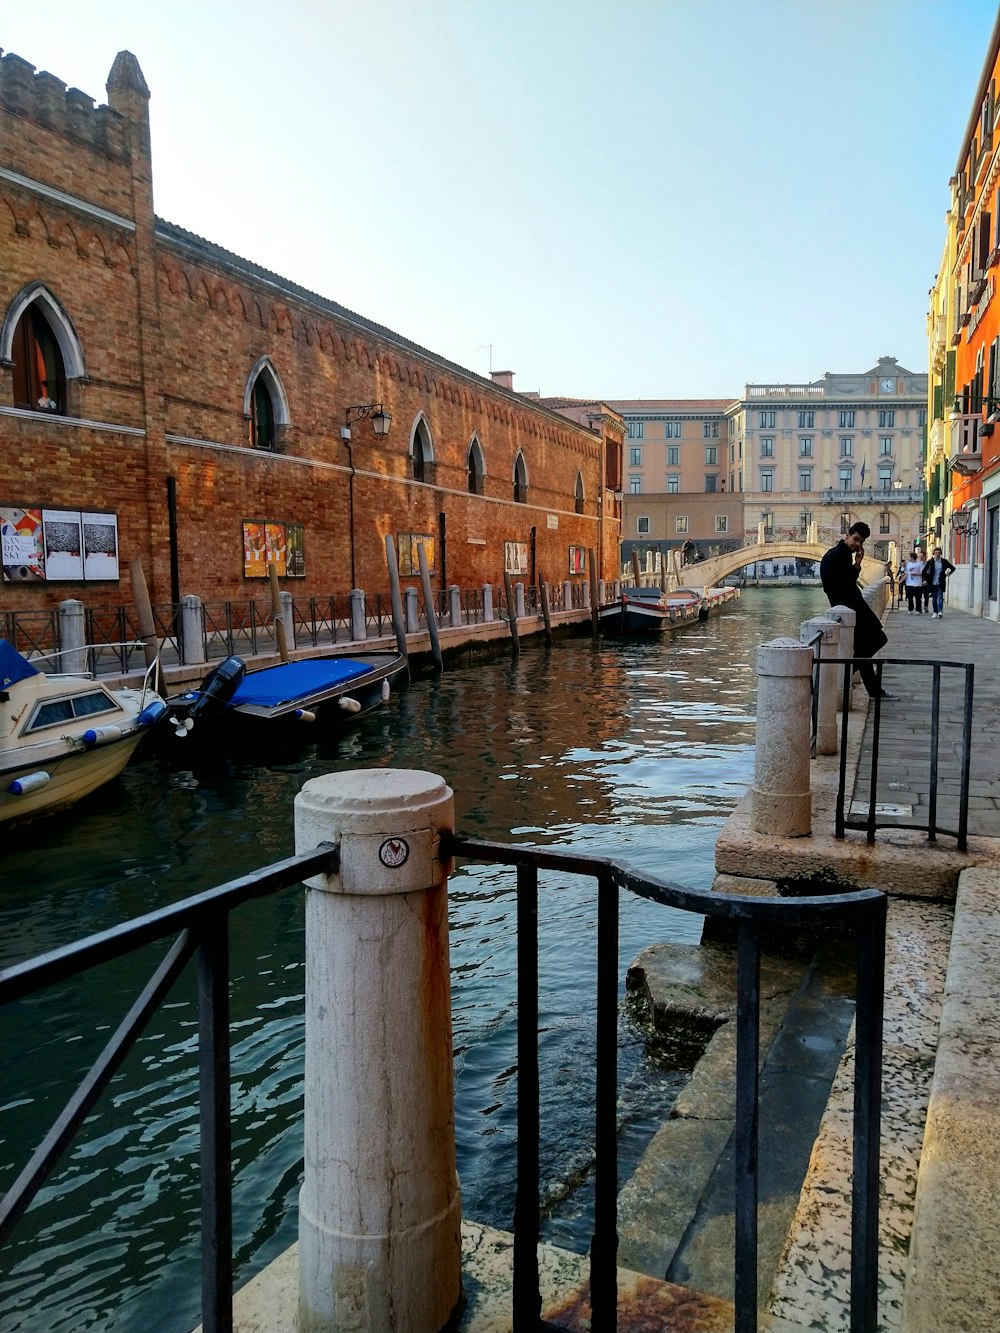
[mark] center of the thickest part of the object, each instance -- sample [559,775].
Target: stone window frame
[422,465]
[63,330]
[475,461]
[264,369]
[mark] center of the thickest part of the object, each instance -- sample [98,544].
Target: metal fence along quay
[200,927]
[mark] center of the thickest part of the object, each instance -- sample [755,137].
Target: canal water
[634,750]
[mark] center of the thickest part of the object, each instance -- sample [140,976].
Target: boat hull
[73,775]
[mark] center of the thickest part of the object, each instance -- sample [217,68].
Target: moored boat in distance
[640,611]
[278,699]
[63,735]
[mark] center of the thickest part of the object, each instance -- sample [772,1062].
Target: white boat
[62,736]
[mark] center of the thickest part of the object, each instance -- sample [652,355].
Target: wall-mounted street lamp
[976,406]
[381,421]
[965,520]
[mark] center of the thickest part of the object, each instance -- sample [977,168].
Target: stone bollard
[380,1207]
[781,802]
[288,618]
[412,611]
[586,596]
[487,602]
[357,603]
[72,638]
[567,595]
[454,605]
[829,679]
[847,619]
[193,630]
[519,600]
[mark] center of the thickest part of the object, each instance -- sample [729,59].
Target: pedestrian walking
[935,574]
[914,573]
[839,571]
[900,582]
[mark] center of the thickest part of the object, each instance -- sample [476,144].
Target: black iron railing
[863,913]
[874,820]
[202,921]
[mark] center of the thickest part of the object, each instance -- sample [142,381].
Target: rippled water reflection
[637,751]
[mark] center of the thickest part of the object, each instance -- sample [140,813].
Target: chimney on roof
[503,378]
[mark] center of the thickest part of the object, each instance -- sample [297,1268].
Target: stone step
[812,1283]
[952,1282]
[676,1212]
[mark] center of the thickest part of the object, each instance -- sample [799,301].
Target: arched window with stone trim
[579,497]
[476,468]
[41,345]
[421,451]
[520,480]
[265,407]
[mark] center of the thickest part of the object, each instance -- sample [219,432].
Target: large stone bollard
[846,618]
[193,630]
[781,802]
[380,1208]
[72,637]
[356,601]
[829,679]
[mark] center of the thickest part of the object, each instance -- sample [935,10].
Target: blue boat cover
[297,681]
[13,666]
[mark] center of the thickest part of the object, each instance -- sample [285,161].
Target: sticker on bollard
[394,852]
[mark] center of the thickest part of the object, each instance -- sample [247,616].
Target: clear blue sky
[626,198]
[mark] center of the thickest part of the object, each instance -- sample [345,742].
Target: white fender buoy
[30,782]
[305,715]
[385,691]
[348,704]
[101,735]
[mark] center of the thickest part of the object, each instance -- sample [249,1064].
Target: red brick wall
[170,334]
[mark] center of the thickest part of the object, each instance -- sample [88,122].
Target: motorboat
[63,735]
[651,611]
[279,698]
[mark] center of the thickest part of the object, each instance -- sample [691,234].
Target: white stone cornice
[57,419]
[69,200]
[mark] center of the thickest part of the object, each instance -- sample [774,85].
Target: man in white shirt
[914,584]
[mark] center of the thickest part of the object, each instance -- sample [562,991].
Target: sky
[611,198]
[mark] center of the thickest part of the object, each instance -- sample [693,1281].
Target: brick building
[162,398]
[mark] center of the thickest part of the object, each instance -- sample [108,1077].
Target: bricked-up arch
[520,479]
[265,406]
[579,497]
[476,467]
[421,451]
[38,336]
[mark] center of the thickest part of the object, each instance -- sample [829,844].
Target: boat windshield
[54,711]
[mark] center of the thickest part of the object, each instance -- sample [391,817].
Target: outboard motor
[214,692]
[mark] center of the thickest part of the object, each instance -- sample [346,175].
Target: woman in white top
[914,584]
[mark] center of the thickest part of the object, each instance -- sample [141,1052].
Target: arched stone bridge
[711,572]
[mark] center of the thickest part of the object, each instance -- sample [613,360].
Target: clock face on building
[887,386]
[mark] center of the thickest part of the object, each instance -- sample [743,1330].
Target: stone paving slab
[813,1280]
[953,1275]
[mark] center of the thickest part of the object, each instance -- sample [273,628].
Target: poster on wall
[100,546]
[280,544]
[409,560]
[21,543]
[295,551]
[62,535]
[578,560]
[515,557]
[274,546]
[254,538]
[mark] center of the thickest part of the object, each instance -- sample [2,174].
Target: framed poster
[254,546]
[23,559]
[62,536]
[578,560]
[100,546]
[515,557]
[295,551]
[409,560]
[274,547]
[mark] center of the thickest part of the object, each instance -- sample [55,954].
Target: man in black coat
[838,572]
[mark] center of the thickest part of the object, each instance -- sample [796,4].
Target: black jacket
[946,568]
[839,576]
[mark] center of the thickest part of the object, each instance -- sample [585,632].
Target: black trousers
[915,599]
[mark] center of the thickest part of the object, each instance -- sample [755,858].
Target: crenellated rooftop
[39,96]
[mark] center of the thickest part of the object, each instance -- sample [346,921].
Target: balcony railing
[965,446]
[874,495]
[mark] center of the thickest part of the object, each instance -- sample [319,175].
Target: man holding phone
[838,572]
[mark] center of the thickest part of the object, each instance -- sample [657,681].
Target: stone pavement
[904,741]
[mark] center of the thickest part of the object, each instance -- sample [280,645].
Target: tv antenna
[482,348]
